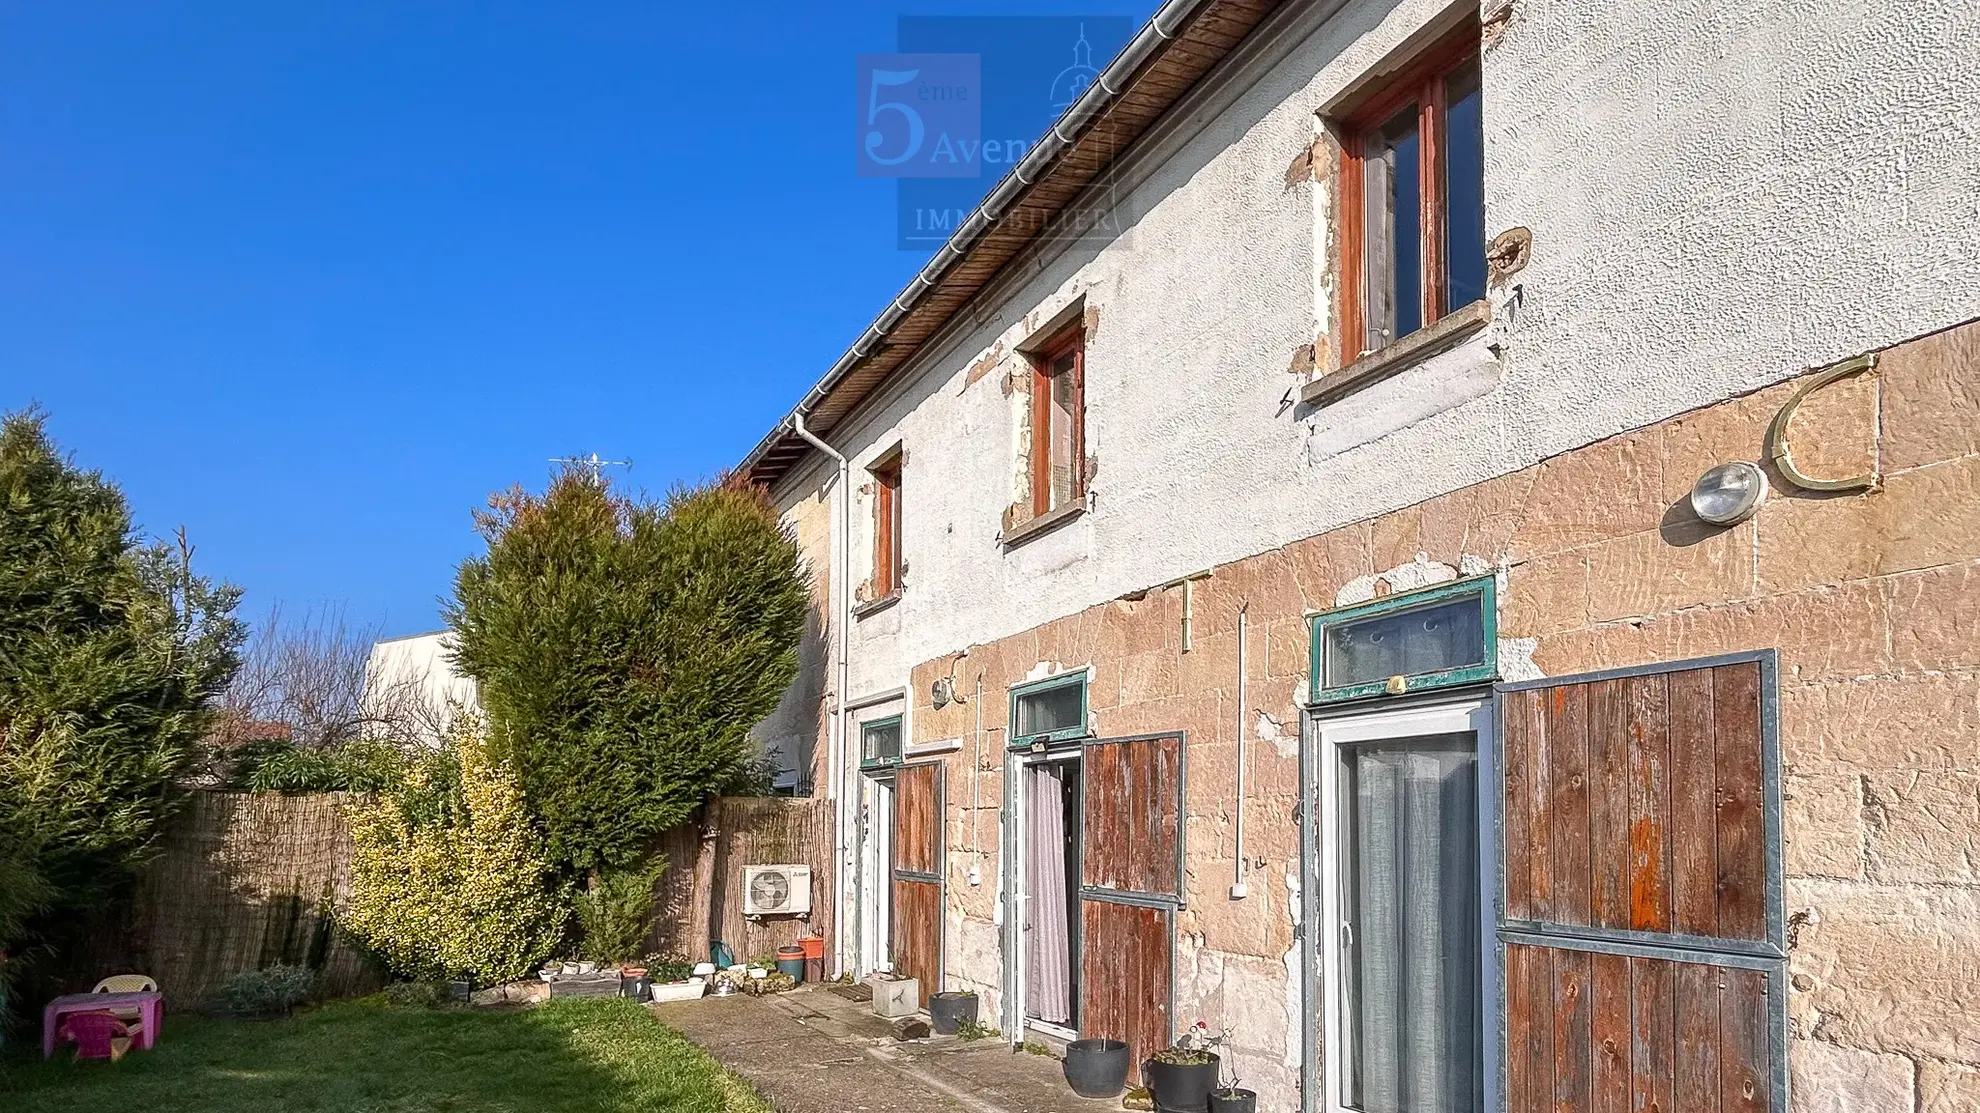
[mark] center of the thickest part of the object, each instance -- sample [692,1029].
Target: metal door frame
[1071,752]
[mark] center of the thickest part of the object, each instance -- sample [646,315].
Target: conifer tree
[111,654]
[624,649]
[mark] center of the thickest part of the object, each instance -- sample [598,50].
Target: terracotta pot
[814,945]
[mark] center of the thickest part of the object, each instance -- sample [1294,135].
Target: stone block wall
[1871,597]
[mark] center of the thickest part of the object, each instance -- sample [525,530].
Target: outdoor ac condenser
[776,890]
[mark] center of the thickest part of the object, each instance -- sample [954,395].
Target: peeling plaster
[1419,572]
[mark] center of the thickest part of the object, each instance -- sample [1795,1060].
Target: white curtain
[1048,978]
[1412,889]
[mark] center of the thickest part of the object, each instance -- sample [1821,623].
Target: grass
[603,1056]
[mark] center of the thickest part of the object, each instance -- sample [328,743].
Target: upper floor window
[1413,199]
[887,563]
[1058,418]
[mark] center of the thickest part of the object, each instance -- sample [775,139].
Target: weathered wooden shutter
[1640,915]
[919,853]
[1131,886]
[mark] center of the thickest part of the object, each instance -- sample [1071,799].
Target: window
[1413,199]
[880,743]
[1047,711]
[887,564]
[1058,405]
[1433,638]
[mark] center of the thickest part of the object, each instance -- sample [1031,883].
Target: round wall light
[1729,494]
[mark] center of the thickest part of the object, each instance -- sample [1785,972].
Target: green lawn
[607,1056]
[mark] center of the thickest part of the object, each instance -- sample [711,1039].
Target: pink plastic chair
[96,1035]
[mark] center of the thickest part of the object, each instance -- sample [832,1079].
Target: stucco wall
[1873,600]
[796,736]
[1720,196]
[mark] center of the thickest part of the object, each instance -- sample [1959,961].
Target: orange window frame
[1073,340]
[887,565]
[1422,81]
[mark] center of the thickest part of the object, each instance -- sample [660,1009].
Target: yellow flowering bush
[448,874]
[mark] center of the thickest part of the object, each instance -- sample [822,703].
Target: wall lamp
[1729,494]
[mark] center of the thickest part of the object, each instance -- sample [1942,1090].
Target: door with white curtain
[1408,929]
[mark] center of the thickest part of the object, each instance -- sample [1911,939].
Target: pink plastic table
[150,1006]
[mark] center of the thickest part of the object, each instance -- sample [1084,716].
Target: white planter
[691,990]
[896,996]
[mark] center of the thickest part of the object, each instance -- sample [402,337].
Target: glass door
[1410,962]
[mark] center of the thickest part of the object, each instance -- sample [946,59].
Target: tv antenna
[591,465]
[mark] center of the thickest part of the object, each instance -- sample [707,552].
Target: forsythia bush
[462,888]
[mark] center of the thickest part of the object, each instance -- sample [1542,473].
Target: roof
[1181,43]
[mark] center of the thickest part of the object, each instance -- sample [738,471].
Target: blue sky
[313,279]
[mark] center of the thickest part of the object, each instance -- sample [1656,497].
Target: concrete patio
[811,1051]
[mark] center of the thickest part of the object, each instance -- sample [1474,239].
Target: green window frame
[1482,588]
[884,762]
[1042,739]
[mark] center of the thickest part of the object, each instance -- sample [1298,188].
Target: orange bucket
[814,945]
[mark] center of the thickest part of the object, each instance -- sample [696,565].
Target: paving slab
[809,1051]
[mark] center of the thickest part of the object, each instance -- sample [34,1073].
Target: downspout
[1238,889]
[975,783]
[836,746]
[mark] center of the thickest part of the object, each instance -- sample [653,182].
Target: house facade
[1443,543]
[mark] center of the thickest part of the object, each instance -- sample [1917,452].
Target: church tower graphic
[1073,80]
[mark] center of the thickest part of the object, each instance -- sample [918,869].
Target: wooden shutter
[915,945]
[1131,886]
[1640,913]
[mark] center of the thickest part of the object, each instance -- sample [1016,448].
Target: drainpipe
[975,781]
[836,746]
[1238,889]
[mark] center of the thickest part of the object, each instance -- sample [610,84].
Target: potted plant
[1181,1077]
[1097,1068]
[950,1009]
[1232,1098]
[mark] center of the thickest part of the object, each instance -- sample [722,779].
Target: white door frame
[876,809]
[1020,895]
[1475,714]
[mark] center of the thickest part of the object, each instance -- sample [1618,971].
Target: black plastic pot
[638,988]
[461,989]
[948,1011]
[1097,1068]
[1180,1088]
[1233,1101]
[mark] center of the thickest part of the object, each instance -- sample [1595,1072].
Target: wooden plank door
[915,939]
[1640,914]
[1131,886]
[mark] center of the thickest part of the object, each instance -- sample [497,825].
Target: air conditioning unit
[776,890]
